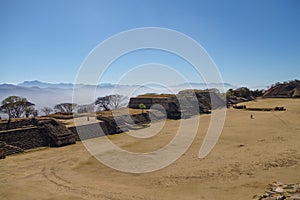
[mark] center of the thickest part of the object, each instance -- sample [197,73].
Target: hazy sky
[252,42]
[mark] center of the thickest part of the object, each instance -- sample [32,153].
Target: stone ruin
[233,100]
[280,108]
[289,89]
[280,191]
[182,105]
[244,107]
[121,123]
[239,106]
[18,135]
[58,134]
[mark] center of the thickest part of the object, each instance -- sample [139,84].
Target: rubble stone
[280,191]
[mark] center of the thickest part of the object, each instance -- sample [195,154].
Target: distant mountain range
[40,84]
[50,94]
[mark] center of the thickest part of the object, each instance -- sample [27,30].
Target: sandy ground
[250,154]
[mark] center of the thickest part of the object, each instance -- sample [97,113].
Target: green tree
[142,106]
[257,93]
[15,106]
[240,92]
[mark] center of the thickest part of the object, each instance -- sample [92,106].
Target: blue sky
[252,42]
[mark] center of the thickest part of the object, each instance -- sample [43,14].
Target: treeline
[244,92]
[17,107]
[248,94]
[291,82]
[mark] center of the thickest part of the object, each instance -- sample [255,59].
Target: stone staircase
[26,134]
[10,149]
[59,135]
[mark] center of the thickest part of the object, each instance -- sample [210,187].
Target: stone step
[59,134]
[10,149]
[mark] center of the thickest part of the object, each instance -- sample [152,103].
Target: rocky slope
[289,89]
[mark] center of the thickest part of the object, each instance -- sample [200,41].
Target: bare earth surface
[250,154]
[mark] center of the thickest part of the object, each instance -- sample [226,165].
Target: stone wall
[9,149]
[149,101]
[25,138]
[6,124]
[183,105]
[58,133]
[89,131]
[114,124]
[32,133]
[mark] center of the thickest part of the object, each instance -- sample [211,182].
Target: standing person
[251,116]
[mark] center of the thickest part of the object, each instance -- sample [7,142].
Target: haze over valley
[48,94]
